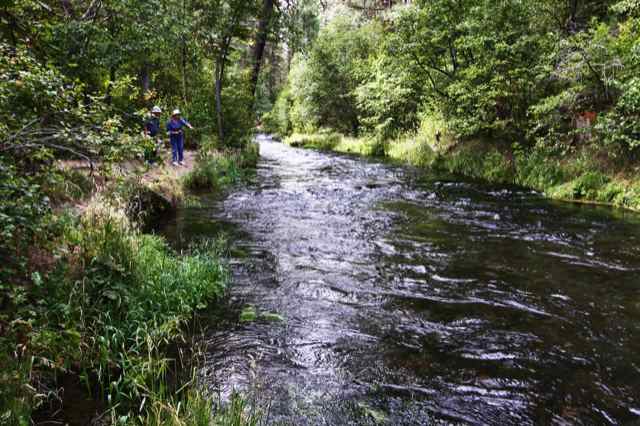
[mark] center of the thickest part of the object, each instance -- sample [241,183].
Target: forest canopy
[548,73]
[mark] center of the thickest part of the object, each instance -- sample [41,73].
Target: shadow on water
[404,297]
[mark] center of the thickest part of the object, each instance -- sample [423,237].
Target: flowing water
[407,297]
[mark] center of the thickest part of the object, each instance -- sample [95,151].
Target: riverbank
[576,178]
[107,304]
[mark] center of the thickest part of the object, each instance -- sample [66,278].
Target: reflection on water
[413,298]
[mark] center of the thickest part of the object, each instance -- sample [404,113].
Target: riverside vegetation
[86,296]
[543,94]
[540,94]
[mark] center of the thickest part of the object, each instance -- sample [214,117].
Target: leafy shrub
[24,216]
[323,84]
[386,99]
[238,117]
[46,116]
[620,127]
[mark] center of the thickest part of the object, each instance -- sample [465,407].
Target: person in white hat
[175,131]
[152,130]
[152,126]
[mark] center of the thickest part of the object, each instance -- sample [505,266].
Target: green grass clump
[585,187]
[465,161]
[611,192]
[412,150]
[248,314]
[323,140]
[470,160]
[215,169]
[534,169]
[496,168]
[271,317]
[369,147]
[196,409]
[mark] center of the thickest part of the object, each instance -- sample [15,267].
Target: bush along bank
[580,177]
[98,300]
[216,169]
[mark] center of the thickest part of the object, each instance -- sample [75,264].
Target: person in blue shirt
[152,130]
[175,130]
[152,126]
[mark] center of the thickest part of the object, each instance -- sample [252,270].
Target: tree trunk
[260,42]
[219,74]
[68,8]
[572,21]
[145,80]
[183,52]
[276,71]
[184,71]
[219,105]
[112,79]
[289,57]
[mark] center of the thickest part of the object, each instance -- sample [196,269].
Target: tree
[260,41]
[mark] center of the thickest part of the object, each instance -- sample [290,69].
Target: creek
[386,294]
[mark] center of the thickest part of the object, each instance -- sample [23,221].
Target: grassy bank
[578,177]
[104,303]
[216,169]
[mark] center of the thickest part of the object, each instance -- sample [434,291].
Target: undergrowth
[107,309]
[215,169]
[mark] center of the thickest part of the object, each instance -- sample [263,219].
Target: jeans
[177,149]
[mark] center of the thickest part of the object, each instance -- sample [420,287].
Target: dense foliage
[556,75]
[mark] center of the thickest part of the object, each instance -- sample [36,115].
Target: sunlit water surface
[413,298]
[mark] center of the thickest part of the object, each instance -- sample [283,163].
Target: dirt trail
[164,179]
[156,173]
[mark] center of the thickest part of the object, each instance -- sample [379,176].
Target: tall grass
[195,409]
[411,149]
[116,301]
[324,140]
[217,168]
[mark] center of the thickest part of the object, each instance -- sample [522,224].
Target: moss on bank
[578,178]
[106,303]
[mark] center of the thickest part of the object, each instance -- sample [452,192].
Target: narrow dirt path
[168,171]
[164,179]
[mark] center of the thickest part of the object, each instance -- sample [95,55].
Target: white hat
[156,109]
[176,112]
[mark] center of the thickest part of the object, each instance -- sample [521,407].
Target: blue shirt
[174,127]
[153,126]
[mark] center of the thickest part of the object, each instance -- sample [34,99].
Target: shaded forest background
[556,73]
